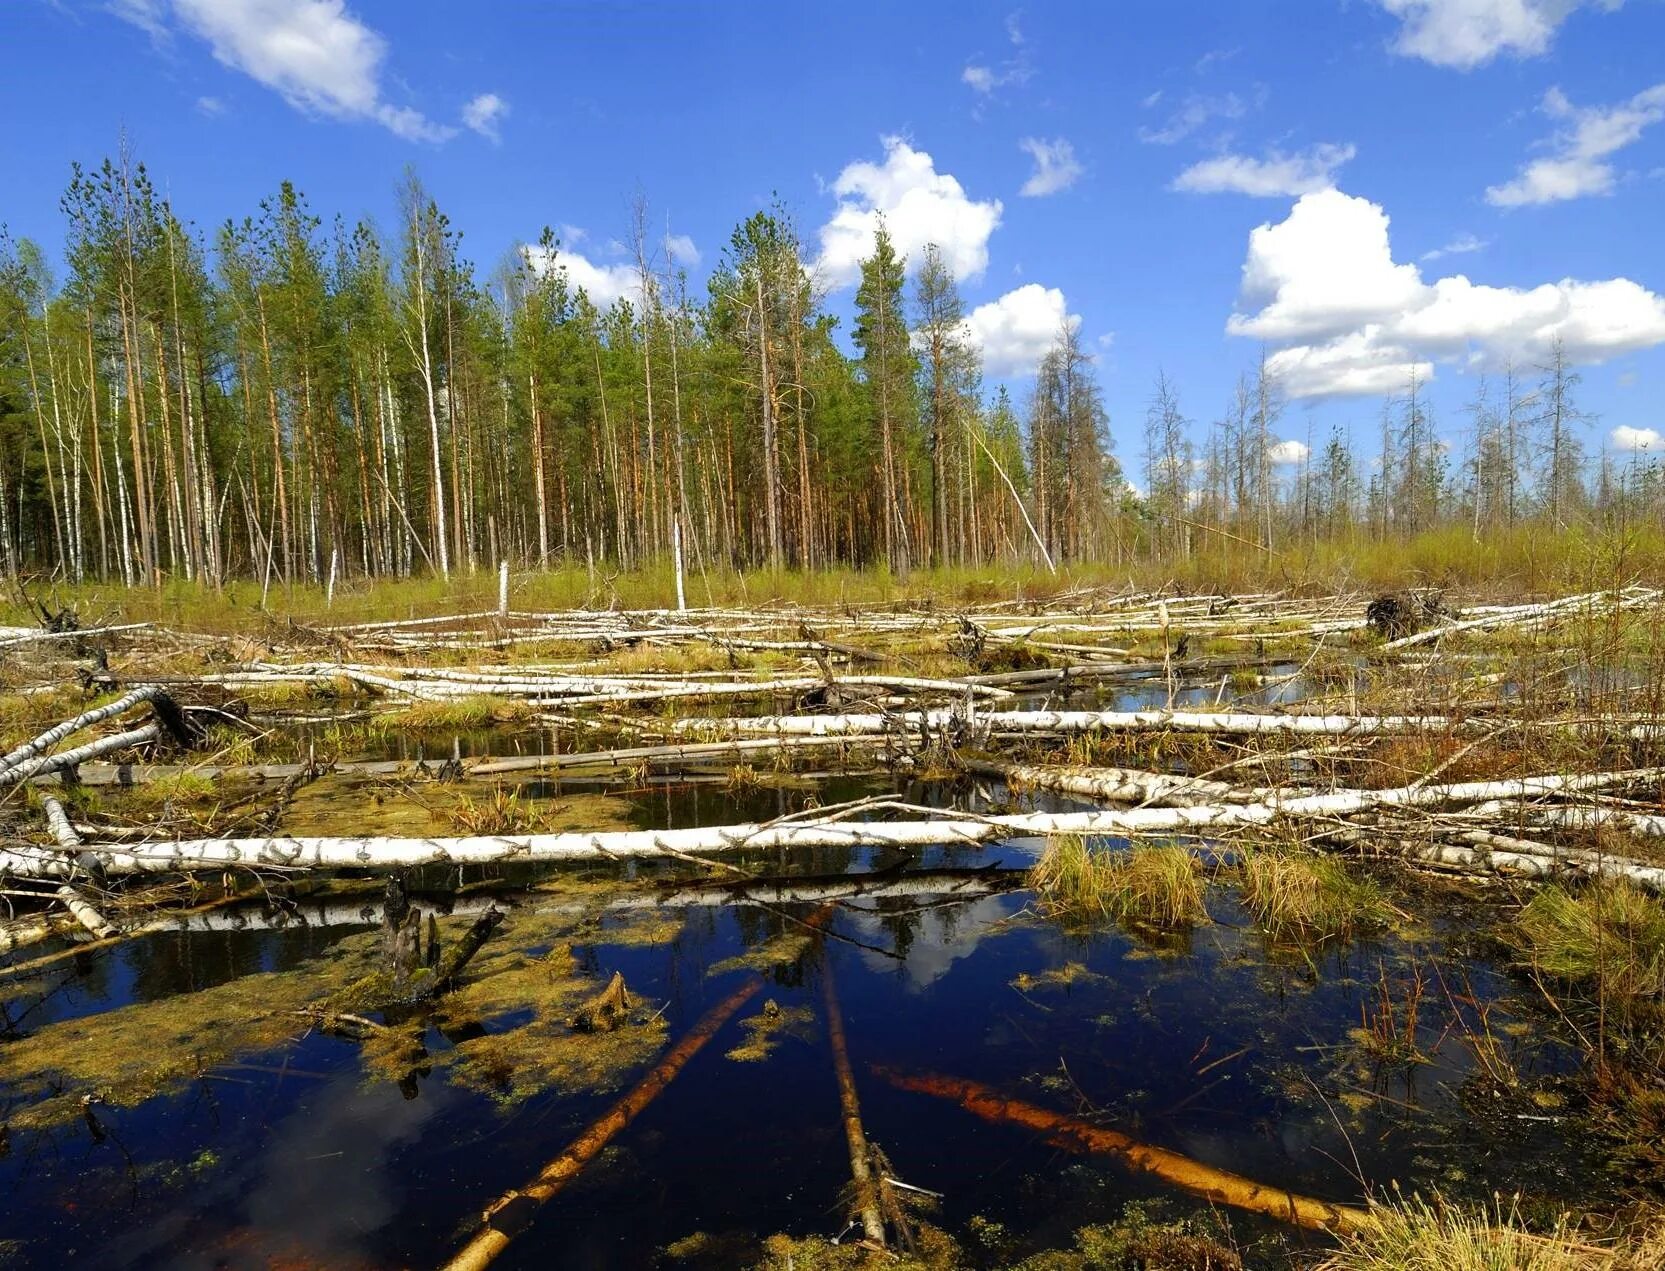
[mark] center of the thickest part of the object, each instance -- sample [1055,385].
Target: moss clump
[1302,897]
[705,1251]
[1138,1242]
[779,951]
[933,1251]
[1158,887]
[127,1056]
[1057,978]
[769,1028]
[543,1052]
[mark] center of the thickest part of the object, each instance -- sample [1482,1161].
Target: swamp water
[224,1130]
[307,1149]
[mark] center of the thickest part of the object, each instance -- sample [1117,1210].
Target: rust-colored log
[1217,1185]
[861,1167]
[510,1214]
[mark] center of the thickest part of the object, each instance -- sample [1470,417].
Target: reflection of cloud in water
[325,1183]
[317,1192]
[938,938]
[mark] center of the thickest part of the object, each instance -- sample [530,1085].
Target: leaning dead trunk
[38,746]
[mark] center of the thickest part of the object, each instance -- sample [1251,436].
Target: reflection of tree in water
[170,963]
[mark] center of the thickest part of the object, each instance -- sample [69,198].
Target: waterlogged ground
[225,1130]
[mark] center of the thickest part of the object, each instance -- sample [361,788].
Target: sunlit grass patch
[1610,935]
[1158,886]
[463,714]
[1301,896]
[178,791]
[1413,1234]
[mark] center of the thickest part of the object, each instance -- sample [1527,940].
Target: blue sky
[1358,187]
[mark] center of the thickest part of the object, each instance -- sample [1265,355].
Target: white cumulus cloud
[1278,175]
[1577,163]
[1323,285]
[1056,167]
[1015,331]
[603,284]
[1624,437]
[484,115]
[1464,34]
[919,205]
[313,53]
[1288,451]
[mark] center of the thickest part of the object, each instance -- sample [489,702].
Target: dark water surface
[1215,1045]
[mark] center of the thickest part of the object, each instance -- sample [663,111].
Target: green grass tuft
[1158,887]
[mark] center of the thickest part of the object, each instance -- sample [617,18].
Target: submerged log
[510,1214]
[855,1138]
[1220,1186]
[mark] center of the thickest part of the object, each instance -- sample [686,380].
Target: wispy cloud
[1016,68]
[1462,245]
[1056,167]
[1577,165]
[1196,111]
[484,114]
[1276,175]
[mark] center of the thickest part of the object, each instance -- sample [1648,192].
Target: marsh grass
[1610,937]
[1159,887]
[462,714]
[1389,1017]
[502,812]
[1408,1233]
[179,791]
[1302,897]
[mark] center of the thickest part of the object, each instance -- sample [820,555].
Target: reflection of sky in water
[941,938]
[320,1188]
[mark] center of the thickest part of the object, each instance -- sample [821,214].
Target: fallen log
[80,908]
[375,853]
[855,725]
[38,746]
[1222,1187]
[510,1214]
[855,1138]
[1116,785]
[66,762]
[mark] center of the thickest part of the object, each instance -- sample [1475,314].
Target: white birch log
[52,736]
[379,853]
[80,908]
[1532,865]
[67,760]
[1117,785]
[1071,722]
